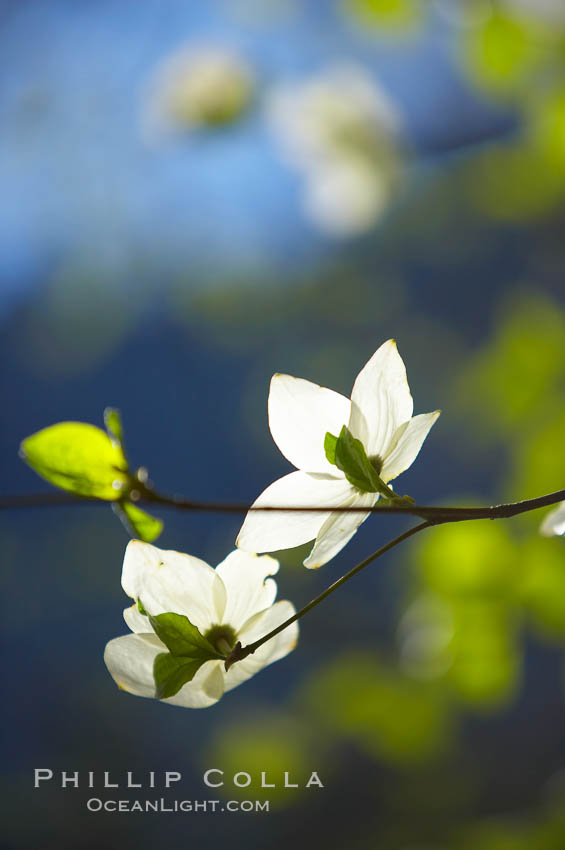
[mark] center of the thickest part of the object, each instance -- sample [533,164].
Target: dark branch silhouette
[429,512]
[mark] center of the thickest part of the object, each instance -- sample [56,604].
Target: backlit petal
[206,688]
[267,531]
[300,414]
[130,661]
[554,522]
[338,530]
[279,646]
[172,581]
[245,576]
[137,622]
[407,443]
[380,400]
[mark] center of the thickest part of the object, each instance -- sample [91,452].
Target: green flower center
[223,638]
[376,463]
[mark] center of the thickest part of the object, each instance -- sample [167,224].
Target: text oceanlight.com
[95,804]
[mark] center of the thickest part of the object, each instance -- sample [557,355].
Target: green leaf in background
[113,423]
[181,637]
[395,15]
[389,715]
[78,457]
[501,53]
[171,672]
[138,523]
[188,651]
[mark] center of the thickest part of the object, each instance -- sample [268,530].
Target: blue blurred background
[197,196]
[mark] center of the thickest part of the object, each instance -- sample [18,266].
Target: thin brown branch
[239,652]
[433,512]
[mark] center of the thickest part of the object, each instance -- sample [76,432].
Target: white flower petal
[205,689]
[300,415]
[171,581]
[248,589]
[338,530]
[380,400]
[406,444]
[554,522]
[130,659]
[279,646]
[137,622]
[263,622]
[271,530]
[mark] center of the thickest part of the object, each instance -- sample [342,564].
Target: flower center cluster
[377,463]
[222,638]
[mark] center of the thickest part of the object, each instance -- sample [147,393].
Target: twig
[431,512]
[239,652]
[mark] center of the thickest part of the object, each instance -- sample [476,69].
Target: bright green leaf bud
[78,457]
[138,523]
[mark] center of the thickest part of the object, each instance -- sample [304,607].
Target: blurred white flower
[341,131]
[197,87]
[346,196]
[424,635]
[301,414]
[234,602]
[554,522]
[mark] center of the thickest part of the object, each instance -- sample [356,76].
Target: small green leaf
[188,651]
[113,423]
[78,457]
[141,609]
[351,458]
[172,672]
[330,445]
[138,523]
[181,637]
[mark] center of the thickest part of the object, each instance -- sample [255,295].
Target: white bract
[234,602]
[554,522]
[340,130]
[379,414]
[198,86]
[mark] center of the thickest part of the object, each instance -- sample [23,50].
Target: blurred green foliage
[500,53]
[471,570]
[511,394]
[266,746]
[394,16]
[540,831]
[387,714]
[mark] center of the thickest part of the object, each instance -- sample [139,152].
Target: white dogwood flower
[381,439]
[554,522]
[186,620]
[342,132]
[197,86]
